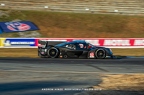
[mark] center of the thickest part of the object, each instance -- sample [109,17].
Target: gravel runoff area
[119,84]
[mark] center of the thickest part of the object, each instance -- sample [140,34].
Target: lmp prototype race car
[74,49]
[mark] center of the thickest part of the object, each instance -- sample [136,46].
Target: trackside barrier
[106,42]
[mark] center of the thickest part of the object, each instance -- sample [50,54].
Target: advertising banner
[19,42]
[18,26]
[105,42]
[116,42]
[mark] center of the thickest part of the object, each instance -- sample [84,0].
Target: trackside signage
[94,42]
[139,42]
[124,42]
[106,42]
[19,42]
[18,26]
[117,43]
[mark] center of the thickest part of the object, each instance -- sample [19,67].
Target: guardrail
[106,42]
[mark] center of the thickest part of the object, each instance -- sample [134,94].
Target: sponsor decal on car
[42,52]
[91,55]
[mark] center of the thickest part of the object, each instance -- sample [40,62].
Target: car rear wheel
[100,54]
[53,52]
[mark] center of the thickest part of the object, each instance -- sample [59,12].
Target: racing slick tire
[100,54]
[53,52]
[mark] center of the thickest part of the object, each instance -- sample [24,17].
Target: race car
[74,49]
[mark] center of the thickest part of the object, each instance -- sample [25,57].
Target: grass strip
[32,52]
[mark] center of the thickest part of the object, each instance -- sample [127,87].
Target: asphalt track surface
[43,76]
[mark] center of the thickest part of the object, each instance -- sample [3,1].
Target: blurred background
[76,18]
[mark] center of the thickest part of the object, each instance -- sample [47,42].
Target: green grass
[83,25]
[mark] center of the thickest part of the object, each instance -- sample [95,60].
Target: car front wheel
[100,54]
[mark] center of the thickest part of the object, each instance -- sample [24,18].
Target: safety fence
[106,42]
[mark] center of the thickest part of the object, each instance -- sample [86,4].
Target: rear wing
[46,43]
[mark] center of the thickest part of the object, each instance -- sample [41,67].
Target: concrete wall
[82,6]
